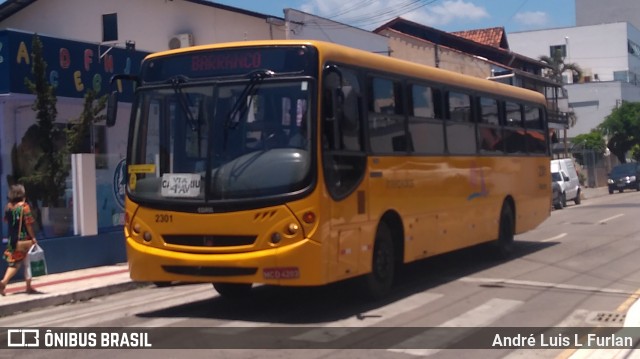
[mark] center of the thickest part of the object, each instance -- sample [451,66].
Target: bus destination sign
[230,62]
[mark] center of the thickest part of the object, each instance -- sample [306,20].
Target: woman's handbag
[37,265]
[22,245]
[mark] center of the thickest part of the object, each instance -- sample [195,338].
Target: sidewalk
[594,192]
[60,288]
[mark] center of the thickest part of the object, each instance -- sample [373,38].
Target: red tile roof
[493,36]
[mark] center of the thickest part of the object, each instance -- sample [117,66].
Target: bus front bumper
[297,264]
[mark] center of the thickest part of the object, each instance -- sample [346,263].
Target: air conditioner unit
[180,40]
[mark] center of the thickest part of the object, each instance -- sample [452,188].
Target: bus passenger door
[344,165]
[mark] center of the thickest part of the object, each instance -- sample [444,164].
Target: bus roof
[348,55]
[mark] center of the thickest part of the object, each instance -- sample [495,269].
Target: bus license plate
[180,185]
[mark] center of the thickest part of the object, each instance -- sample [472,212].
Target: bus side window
[535,136]
[425,125]
[514,129]
[387,133]
[461,131]
[490,135]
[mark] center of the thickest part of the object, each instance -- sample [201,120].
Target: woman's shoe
[2,288]
[32,291]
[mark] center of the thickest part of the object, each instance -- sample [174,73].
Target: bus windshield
[212,141]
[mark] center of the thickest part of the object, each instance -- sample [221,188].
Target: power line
[375,16]
[354,6]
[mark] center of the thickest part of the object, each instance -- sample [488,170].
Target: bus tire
[233,290]
[379,281]
[504,243]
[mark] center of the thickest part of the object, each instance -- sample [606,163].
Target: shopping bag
[37,263]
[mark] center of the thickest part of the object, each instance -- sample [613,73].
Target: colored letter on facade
[65,58]
[78,81]
[23,54]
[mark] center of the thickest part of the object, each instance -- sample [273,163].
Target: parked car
[556,195]
[563,172]
[624,176]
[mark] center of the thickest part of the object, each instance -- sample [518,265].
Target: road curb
[64,298]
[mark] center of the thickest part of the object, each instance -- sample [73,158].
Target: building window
[555,48]
[633,48]
[109,27]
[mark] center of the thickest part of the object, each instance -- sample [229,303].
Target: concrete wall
[307,26]
[423,52]
[592,102]
[65,254]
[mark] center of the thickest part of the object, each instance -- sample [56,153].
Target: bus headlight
[292,229]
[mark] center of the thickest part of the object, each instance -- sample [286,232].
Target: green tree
[593,140]
[635,152]
[46,180]
[622,127]
[80,129]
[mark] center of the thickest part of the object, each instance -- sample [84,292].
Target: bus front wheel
[233,290]
[378,283]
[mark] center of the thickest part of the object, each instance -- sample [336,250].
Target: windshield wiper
[176,82]
[255,77]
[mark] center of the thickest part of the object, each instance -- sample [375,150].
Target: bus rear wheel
[504,243]
[378,283]
[233,290]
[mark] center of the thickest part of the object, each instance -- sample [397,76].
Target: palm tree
[558,67]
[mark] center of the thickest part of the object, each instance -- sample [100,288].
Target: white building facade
[608,54]
[151,24]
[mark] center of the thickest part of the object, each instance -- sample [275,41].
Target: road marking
[158,322]
[480,316]
[530,283]
[627,303]
[562,235]
[610,218]
[352,324]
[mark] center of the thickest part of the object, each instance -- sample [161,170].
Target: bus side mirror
[112,108]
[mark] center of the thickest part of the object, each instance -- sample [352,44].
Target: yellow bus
[301,163]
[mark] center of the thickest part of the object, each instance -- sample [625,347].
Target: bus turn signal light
[309,217]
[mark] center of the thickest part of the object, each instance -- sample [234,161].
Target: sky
[446,15]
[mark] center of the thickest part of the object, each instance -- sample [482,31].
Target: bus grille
[210,271]
[209,241]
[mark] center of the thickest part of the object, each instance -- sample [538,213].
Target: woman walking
[17,214]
